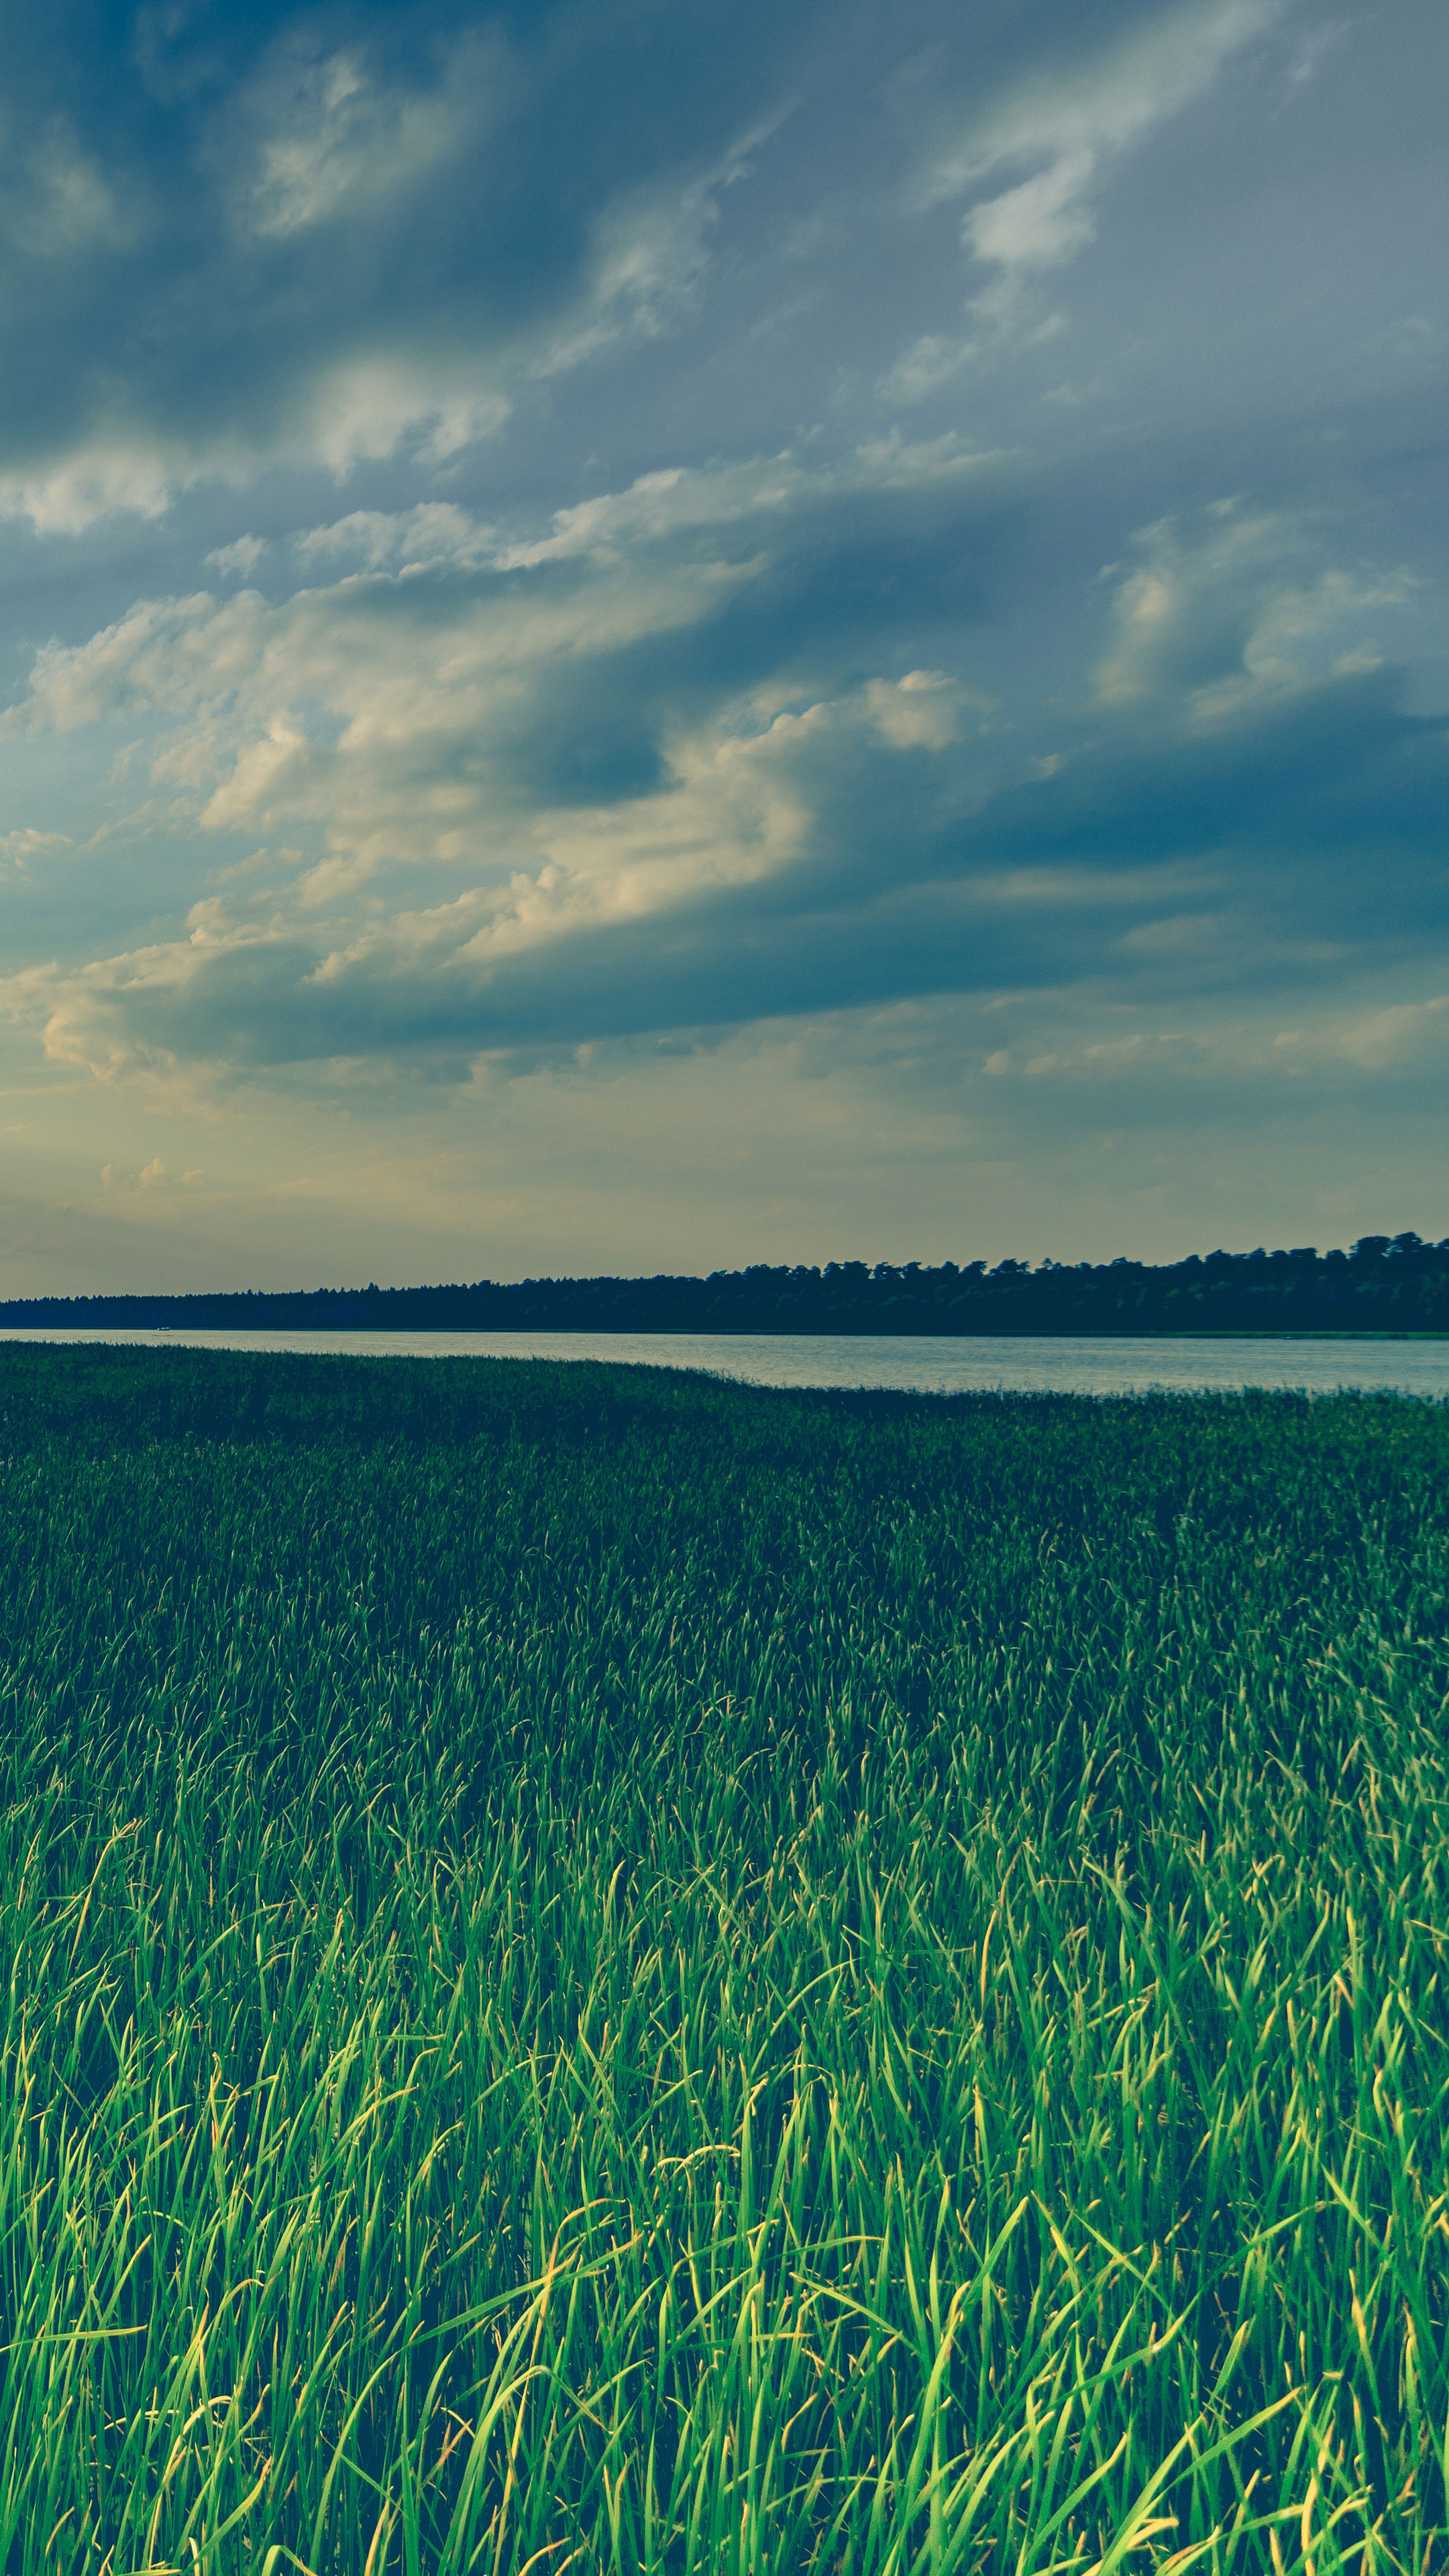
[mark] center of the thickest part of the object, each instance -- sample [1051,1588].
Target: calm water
[1019,1362]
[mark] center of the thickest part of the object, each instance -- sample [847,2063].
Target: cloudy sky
[658,633]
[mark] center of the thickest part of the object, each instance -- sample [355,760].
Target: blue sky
[650,636]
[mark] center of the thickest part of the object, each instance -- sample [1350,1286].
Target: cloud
[433,532]
[352,413]
[918,713]
[669,553]
[153,1176]
[929,363]
[94,481]
[649,251]
[631,793]
[340,253]
[242,556]
[1391,1039]
[320,138]
[1224,616]
[1064,130]
[1039,224]
[59,203]
[774,871]
[1315,48]
[664,504]
[26,843]
[491,624]
[676,501]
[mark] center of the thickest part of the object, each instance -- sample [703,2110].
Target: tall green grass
[605,1972]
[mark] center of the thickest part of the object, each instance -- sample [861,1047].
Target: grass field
[609,1972]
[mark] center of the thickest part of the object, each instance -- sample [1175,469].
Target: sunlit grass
[604,1972]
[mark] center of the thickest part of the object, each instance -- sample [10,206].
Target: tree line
[1383,1283]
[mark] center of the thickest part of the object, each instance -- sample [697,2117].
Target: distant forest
[1384,1283]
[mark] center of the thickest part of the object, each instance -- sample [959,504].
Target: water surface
[1022,1363]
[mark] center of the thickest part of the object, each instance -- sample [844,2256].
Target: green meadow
[604,1971]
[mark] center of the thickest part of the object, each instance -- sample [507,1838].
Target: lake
[1014,1362]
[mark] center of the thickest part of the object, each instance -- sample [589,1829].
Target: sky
[655,634]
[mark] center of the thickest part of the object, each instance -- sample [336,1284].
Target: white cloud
[367,724]
[327,138]
[1060,132]
[660,505]
[270,778]
[649,254]
[67,495]
[733,814]
[1315,48]
[61,203]
[304,971]
[365,408]
[675,500]
[24,844]
[917,713]
[362,725]
[1374,1041]
[357,411]
[137,662]
[238,667]
[1219,617]
[242,556]
[152,1176]
[896,464]
[434,532]
[1106,105]
[929,363]
[398,770]
[461,417]
[1039,224]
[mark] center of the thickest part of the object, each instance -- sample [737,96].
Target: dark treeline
[1383,1284]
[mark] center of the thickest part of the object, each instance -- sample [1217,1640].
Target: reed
[612,1972]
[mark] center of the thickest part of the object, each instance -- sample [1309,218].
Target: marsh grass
[606,1972]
